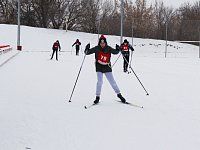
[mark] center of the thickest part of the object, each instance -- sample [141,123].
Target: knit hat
[102,39]
[125,41]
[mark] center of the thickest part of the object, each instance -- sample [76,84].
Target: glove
[132,48]
[117,47]
[87,48]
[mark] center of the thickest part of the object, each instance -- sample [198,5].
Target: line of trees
[97,16]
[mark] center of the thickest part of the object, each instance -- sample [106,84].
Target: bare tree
[74,15]
[160,20]
[58,13]
[42,10]
[7,11]
[27,13]
[91,10]
[106,17]
[190,16]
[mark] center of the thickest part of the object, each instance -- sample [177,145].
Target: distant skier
[77,43]
[56,46]
[125,46]
[103,66]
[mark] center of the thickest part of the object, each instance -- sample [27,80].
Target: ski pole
[115,61]
[136,76]
[71,50]
[81,50]
[77,78]
[131,58]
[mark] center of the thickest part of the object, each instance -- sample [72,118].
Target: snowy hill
[35,113]
[40,39]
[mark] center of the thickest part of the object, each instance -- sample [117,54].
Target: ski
[127,103]
[89,106]
[131,104]
[128,72]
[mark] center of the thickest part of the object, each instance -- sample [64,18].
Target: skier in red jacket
[125,46]
[77,43]
[56,46]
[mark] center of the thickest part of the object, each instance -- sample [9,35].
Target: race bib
[125,48]
[103,58]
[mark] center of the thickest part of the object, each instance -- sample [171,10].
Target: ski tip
[70,101]
[147,94]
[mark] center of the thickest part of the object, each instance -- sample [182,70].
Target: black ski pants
[126,62]
[55,51]
[77,49]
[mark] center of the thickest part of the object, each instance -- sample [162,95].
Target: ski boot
[123,100]
[97,100]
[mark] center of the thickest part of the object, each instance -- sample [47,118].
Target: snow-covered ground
[34,92]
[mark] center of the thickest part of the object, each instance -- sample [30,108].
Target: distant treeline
[103,16]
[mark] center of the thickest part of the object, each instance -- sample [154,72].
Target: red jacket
[56,45]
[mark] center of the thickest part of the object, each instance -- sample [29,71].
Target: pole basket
[19,48]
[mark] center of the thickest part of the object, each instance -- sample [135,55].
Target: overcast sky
[173,3]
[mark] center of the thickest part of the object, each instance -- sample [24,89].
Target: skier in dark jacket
[103,66]
[77,43]
[125,46]
[56,46]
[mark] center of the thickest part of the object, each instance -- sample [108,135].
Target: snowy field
[34,92]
